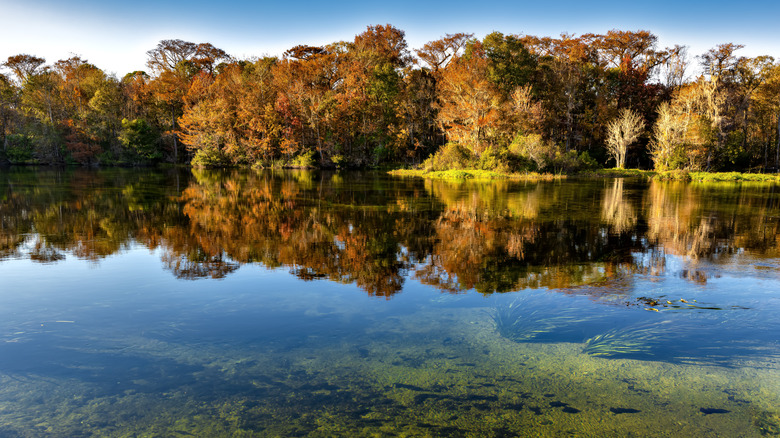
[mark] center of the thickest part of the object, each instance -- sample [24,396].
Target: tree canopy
[511,102]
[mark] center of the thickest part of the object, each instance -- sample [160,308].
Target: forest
[506,102]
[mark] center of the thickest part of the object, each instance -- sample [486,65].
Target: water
[177,303]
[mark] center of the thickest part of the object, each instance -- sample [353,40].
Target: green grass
[669,175]
[617,173]
[681,175]
[474,174]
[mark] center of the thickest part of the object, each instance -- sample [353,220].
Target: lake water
[240,303]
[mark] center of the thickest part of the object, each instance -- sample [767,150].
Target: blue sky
[116,35]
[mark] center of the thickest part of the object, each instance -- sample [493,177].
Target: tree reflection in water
[376,231]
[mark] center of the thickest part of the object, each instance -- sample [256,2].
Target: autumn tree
[175,63]
[8,99]
[621,133]
[570,88]
[23,66]
[469,101]
[438,53]
[668,136]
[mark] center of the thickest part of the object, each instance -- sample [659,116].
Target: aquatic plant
[767,423]
[629,340]
[522,320]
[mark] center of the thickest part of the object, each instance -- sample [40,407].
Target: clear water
[177,303]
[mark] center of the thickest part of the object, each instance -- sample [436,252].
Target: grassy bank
[475,174]
[675,175]
[681,175]
[617,173]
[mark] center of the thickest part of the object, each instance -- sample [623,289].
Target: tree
[668,136]
[621,132]
[23,66]
[8,98]
[511,65]
[169,54]
[176,64]
[437,54]
[469,101]
[139,137]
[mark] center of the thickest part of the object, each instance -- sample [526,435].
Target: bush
[20,150]
[673,175]
[450,156]
[210,157]
[587,162]
[338,160]
[534,148]
[493,160]
[303,160]
[565,162]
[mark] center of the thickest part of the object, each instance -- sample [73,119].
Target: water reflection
[376,232]
[644,307]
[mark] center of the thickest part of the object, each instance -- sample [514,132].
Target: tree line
[505,102]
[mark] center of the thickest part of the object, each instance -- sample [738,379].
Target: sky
[115,35]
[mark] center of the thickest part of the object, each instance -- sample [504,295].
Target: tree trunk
[777,156]
[2,132]
[745,127]
[173,131]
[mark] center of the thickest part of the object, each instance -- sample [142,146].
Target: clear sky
[115,35]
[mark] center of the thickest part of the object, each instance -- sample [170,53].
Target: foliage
[475,174]
[210,157]
[512,103]
[19,149]
[304,160]
[450,156]
[139,137]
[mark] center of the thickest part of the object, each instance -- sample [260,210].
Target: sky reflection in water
[354,303]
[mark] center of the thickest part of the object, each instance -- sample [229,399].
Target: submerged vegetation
[523,320]
[629,341]
[291,347]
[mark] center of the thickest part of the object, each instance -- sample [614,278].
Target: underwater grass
[629,340]
[522,320]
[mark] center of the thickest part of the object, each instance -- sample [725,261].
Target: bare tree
[674,69]
[621,132]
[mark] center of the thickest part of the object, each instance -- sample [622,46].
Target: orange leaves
[469,102]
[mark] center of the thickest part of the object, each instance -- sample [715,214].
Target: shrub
[587,162]
[494,160]
[210,157]
[450,156]
[338,160]
[20,149]
[306,159]
[534,148]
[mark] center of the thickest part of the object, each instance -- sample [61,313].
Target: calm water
[178,303]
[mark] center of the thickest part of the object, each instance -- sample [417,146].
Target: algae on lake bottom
[412,374]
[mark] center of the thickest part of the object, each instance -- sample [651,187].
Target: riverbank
[676,175]
[475,174]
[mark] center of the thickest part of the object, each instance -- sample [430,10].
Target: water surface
[240,303]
